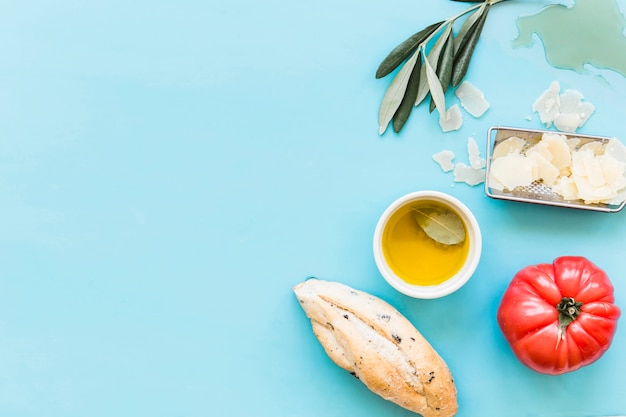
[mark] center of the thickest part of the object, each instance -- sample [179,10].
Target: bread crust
[369,338]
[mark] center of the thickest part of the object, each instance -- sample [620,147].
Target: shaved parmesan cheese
[612,171]
[472,174]
[567,111]
[494,183]
[547,105]
[467,174]
[596,147]
[567,122]
[590,168]
[554,148]
[453,119]
[513,171]
[444,159]
[616,149]
[545,170]
[590,193]
[475,160]
[578,111]
[594,172]
[513,145]
[573,143]
[566,188]
[618,199]
[472,99]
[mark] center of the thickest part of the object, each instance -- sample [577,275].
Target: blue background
[170,170]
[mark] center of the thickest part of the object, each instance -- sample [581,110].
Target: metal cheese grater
[538,193]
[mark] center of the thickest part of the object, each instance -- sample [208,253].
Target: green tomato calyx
[569,309]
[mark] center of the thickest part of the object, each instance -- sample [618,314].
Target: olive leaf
[395,93]
[402,51]
[440,224]
[467,25]
[466,48]
[436,91]
[444,67]
[412,83]
[433,56]
[406,106]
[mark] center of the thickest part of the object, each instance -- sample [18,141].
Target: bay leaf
[440,224]
[402,51]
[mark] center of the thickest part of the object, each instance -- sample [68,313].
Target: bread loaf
[370,339]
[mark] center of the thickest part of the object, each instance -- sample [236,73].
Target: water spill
[590,32]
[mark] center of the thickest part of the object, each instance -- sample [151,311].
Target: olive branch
[430,71]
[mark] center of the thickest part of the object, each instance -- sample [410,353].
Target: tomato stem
[569,309]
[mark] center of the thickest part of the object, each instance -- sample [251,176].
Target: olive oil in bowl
[409,246]
[414,256]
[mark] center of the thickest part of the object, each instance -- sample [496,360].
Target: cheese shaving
[566,110]
[453,119]
[444,159]
[594,172]
[472,174]
[472,99]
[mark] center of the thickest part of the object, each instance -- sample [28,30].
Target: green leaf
[395,93]
[440,224]
[402,51]
[466,49]
[444,67]
[406,106]
[433,56]
[436,91]
[467,25]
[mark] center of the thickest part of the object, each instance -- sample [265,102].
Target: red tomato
[559,317]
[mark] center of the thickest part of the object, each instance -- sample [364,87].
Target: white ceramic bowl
[467,269]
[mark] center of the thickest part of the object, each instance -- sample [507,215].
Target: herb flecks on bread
[374,342]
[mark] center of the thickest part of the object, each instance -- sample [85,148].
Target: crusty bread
[372,340]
